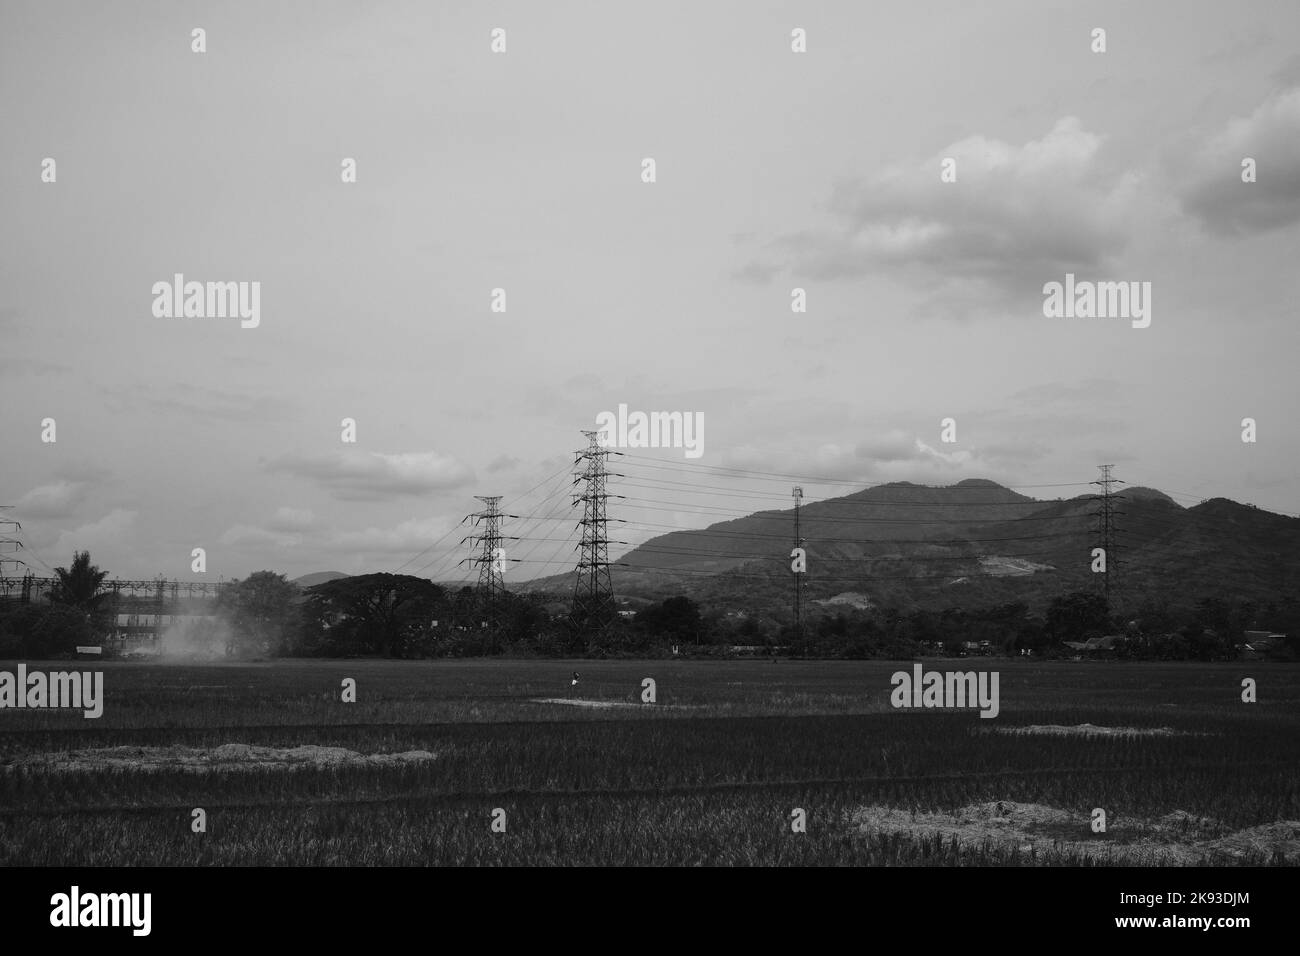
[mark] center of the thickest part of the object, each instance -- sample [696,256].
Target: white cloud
[109,533]
[254,538]
[1014,215]
[1213,191]
[56,500]
[292,519]
[370,476]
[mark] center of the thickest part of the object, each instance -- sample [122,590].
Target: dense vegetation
[401,616]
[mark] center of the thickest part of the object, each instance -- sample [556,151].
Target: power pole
[797,494]
[491,561]
[1105,515]
[593,612]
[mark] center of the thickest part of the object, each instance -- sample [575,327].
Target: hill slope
[975,542]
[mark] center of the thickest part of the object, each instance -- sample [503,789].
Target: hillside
[975,542]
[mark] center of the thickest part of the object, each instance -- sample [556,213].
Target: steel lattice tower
[1106,528]
[491,584]
[8,527]
[491,560]
[593,593]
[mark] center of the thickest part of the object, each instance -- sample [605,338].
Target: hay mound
[1092,730]
[222,759]
[576,702]
[1051,834]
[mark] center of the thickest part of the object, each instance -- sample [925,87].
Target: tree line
[402,616]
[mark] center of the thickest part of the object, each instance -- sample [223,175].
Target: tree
[38,631]
[78,587]
[1078,616]
[260,610]
[58,631]
[677,618]
[386,614]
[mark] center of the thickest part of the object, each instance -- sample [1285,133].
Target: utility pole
[1105,515]
[491,561]
[593,612]
[797,494]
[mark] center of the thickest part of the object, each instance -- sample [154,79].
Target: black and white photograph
[545,434]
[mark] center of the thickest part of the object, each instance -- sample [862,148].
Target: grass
[710,780]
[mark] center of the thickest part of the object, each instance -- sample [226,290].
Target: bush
[44,631]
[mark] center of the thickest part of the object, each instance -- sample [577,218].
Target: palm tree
[79,586]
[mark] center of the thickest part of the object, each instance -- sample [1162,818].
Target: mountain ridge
[970,542]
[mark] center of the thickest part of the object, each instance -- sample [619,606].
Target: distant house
[1259,645]
[1098,646]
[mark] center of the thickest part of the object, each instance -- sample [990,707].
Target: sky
[523,171]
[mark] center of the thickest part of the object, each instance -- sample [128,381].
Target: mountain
[318,577]
[975,542]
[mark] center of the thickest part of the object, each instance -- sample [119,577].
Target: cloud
[1288,72]
[373,548]
[756,272]
[1091,392]
[1213,192]
[1015,214]
[893,456]
[292,519]
[503,463]
[109,533]
[15,365]
[406,539]
[56,500]
[373,476]
[254,538]
[196,401]
[579,390]
[893,446]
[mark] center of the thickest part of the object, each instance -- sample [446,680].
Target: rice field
[506,763]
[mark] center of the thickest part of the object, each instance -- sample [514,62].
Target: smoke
[195,639]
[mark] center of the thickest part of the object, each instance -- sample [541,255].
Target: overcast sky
[523,170]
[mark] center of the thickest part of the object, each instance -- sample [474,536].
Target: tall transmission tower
[10,544]
[797,494]
[593,612]
[1106,514]
[491,560]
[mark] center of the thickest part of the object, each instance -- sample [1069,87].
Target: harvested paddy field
[412,772]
